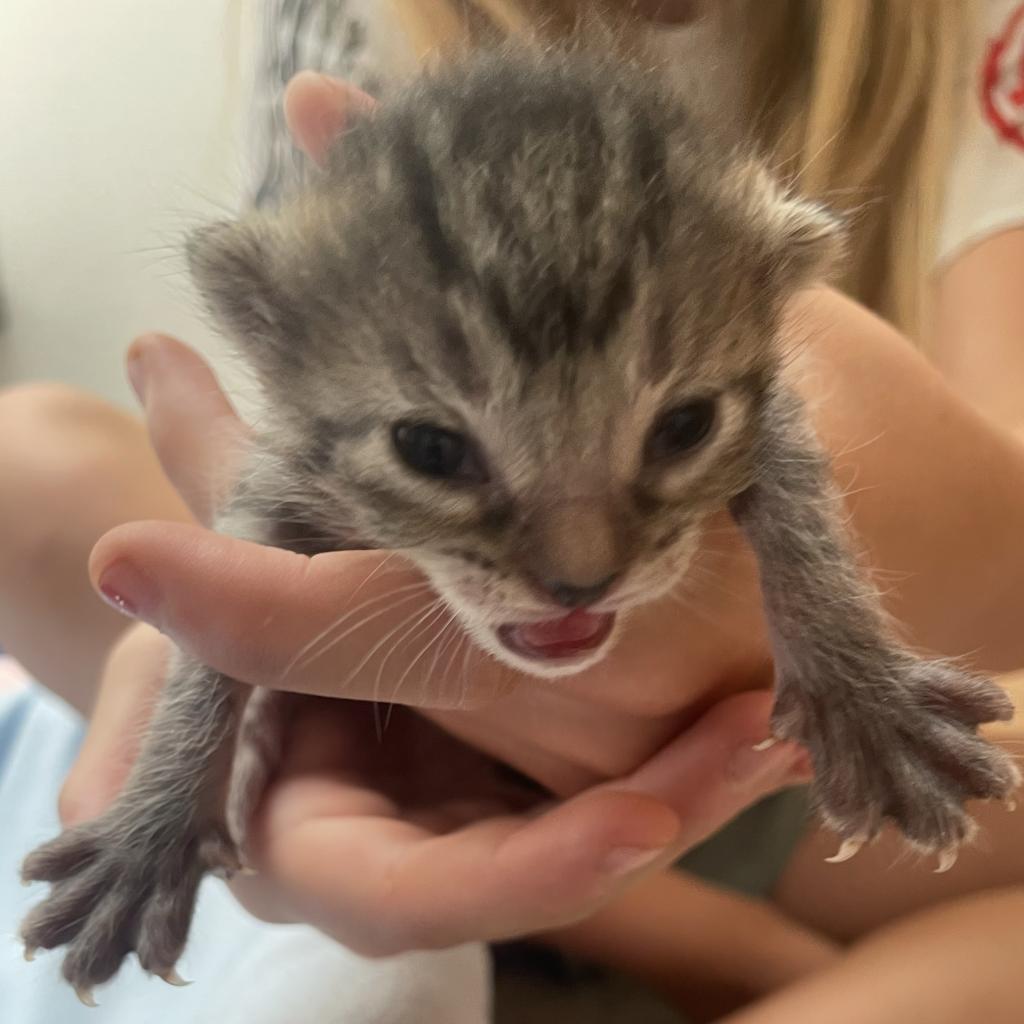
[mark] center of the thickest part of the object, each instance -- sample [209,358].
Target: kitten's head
[523,329]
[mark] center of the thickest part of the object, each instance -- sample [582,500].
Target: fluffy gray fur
[543,253]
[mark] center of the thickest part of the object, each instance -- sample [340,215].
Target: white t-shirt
[985,190]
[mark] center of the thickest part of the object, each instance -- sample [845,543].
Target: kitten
[525,330]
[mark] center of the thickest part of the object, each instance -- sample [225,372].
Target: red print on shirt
[1002,87]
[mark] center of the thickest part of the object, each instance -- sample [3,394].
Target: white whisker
[432,622]
[306,655]
[421,623]
[373,651]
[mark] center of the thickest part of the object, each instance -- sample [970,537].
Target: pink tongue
[575,627]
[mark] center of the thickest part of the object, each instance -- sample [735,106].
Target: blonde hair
[856,99]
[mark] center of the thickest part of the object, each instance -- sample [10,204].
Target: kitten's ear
[803,240]
[809,242]
[232,267]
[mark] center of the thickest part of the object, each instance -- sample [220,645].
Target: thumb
[193,427]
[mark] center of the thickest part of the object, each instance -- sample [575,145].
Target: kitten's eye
[434,451]
[682,429]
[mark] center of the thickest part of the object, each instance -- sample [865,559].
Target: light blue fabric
[245,972]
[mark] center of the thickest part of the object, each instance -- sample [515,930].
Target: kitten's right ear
[231,266]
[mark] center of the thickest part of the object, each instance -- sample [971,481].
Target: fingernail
[625,860]
[128,591]
[757,766]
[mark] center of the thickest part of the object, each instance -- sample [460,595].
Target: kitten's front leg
[127,880]
[892,736]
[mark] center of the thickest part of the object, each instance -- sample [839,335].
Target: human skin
[60,446]
[956,963]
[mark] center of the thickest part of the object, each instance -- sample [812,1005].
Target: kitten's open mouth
[565,638]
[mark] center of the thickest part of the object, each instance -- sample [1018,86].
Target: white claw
[30,953]
[1010,804]
[850,848]
[172,977]
[947,858]
[85,997]
[766,744]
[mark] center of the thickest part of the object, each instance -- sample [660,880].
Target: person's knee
[58,447]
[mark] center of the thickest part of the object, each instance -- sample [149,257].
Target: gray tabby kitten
[525,330]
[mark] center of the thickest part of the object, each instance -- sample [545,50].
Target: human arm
[931,485]
[704,949]
[977,335]
[957,962]
[72,468]
[977,347]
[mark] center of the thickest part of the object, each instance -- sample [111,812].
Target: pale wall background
[120,124]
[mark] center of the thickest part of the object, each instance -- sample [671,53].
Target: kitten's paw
[113,892]
[910,756]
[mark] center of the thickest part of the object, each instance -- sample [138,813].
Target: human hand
[408,839]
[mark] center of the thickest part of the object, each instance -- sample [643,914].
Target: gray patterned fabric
[298,35]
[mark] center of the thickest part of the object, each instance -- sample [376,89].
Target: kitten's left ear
[803,240]
[231,264]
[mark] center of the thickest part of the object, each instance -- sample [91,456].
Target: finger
[719,766]
[353,624]
[132,680]
[348,624]
[318,109]
[196,432]
[382,885]
[336,852]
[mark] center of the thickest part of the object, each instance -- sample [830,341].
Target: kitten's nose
[573,551]
[569,595]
